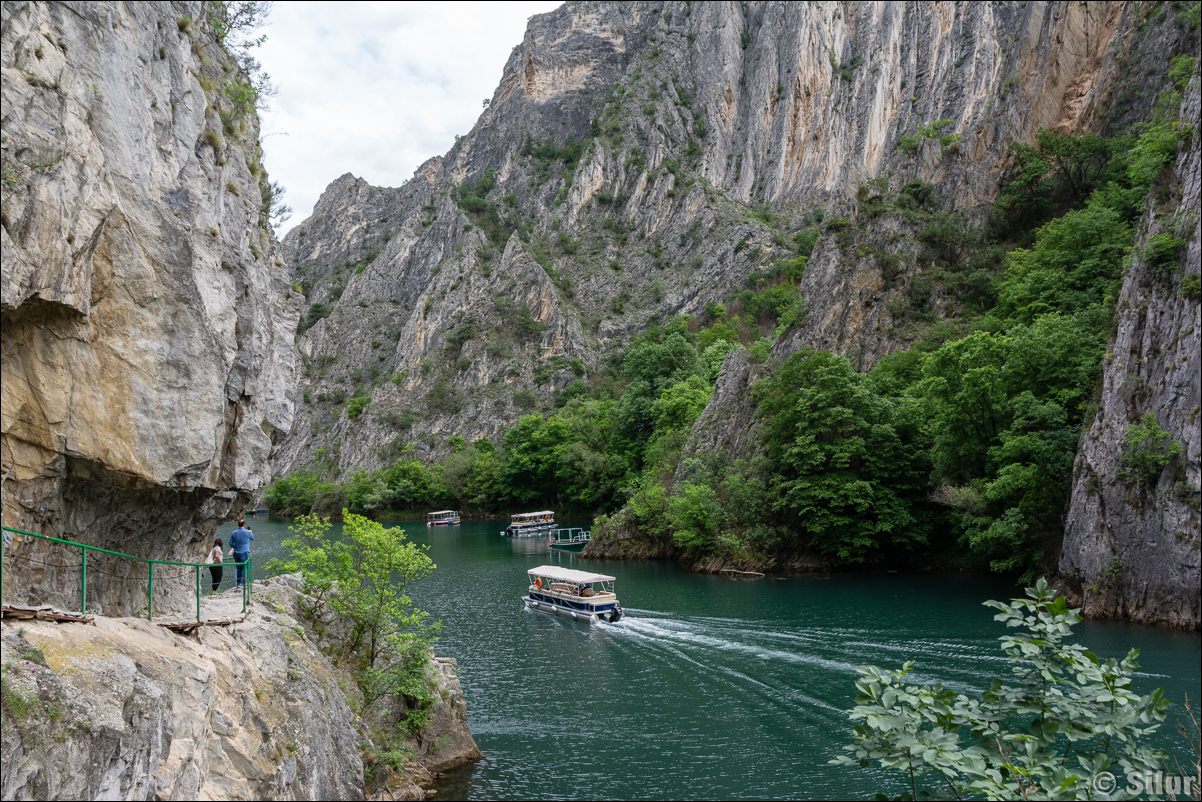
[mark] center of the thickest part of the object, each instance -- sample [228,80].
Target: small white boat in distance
[530,524]
[442,518]
[582,595]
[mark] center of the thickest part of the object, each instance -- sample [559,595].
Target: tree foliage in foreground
[364,576]
[1065,716]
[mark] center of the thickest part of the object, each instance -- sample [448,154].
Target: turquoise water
[709,688]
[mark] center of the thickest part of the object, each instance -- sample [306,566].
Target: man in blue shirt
[240,540]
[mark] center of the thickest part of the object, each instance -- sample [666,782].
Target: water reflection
[529,545]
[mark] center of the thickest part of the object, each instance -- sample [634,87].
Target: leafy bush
[1162,252]
[1147,451]
[1065,716]
[443,398]
[364,576]
[316,312]
[355,407]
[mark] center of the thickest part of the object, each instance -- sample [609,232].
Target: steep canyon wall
[148,321]
[1131,546]
[640,160]
[689,118]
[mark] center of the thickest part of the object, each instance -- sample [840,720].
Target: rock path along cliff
[122,708]
[148,321]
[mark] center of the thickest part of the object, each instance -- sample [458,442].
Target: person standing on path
[240,540]
[214,560]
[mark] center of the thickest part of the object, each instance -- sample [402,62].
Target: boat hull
[575,545]
[529,531]
[608,616]
[443,523]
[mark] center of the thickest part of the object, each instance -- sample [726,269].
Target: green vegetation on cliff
[960,448]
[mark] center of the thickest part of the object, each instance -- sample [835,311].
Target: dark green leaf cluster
[472,199]
[1147,451]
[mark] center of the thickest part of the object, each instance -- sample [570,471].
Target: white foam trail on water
[683,631]
[650,633]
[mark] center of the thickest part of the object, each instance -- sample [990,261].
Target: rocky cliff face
[648,159]
[1131,546]
[695,124]
[124,709]
[148,320]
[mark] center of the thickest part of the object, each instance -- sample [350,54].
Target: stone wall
[1131,548]
[148,320]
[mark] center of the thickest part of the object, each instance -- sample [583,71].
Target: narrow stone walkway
[223,608]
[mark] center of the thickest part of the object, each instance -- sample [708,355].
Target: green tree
[364,576]
[1075,260]
[1065,715]
[694,514]
[1147,451]
[679,405]
[843,470]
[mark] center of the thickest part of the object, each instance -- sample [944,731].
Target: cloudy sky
[377,88]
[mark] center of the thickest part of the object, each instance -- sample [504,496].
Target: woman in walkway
[215,559]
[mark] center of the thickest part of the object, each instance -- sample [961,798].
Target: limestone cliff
[124,709]
[641,160]
[148,320]
[1131,547]
[639,153]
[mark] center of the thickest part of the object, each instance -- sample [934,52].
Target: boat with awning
[582,595]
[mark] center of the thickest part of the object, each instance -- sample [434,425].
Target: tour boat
[531,524]
[570,539]
[442,518]
[582,595]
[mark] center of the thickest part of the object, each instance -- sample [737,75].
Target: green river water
[709,688]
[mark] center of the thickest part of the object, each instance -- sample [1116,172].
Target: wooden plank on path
[45,612]
[188,626]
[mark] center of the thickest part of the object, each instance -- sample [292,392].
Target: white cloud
[377,88]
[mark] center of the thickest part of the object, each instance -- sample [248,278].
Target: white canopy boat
[582,595]
[531,524]
[442,518]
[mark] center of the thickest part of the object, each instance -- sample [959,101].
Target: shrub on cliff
[1147,451]
[364,577]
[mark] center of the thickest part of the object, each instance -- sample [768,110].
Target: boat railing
[566,589]
[572,535]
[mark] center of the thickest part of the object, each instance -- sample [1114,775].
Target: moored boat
[442,518]
[530,524]
[581,595]
[570,539]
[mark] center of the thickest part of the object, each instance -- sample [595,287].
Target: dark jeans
[240,557]
[216,571]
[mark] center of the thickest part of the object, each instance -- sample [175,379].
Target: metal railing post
[246,580]
[3,535]
[83,581]
[150,594]
[198,593]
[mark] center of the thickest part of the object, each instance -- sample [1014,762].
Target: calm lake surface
[708,688]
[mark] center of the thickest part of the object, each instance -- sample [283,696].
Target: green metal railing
[83,571]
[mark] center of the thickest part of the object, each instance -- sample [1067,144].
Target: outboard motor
[615,615]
